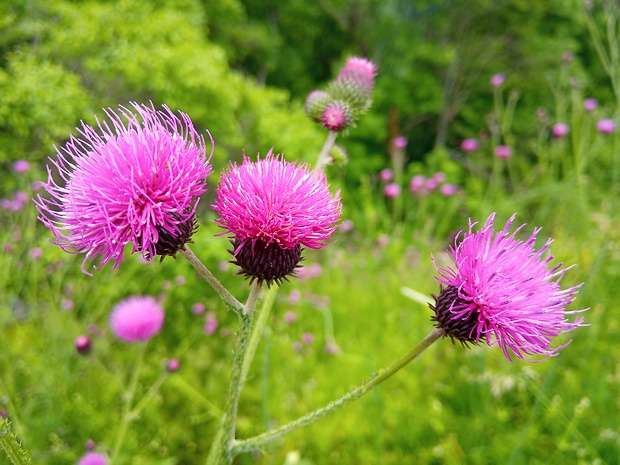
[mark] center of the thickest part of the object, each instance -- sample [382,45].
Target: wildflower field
[301,233]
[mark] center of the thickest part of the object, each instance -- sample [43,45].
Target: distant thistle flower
[400,142]
[83,344]
[559,130]
[337,116]
[173,365]
[590,104]
[273,208]
[391,191]
[497,79]
[92,458]
[135,180]
[503,291]
[448,190]
[417,183]
[469,145]
[386,175]
[137,318]
[606,126]
[21,166]
[503,151]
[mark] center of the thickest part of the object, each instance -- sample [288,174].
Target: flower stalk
[221,450]
[257,442]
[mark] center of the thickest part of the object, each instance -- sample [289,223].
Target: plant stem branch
[257,441]
[217,286]
[323,157]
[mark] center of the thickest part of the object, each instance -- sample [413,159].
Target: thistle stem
[221,450]
[217,286]
[258,441]
[323,157]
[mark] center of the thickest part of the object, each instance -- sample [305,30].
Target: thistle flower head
[273,208]
[134,180]
[354,84]
[137,318]
[92,458]
[503,291]
[337,116]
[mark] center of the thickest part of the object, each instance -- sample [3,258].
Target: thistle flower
[559,130]
[354,84]
[503,291]
[503,151]
[497,79]
[92,458]
[391,190]
[590,104]
[137,318]
[135,180]
[469,145]
[315,104]
[273,208]
[337,116]
[606,126]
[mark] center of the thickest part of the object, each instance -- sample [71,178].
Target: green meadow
[242,71]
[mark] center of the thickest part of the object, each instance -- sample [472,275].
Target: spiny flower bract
[503,291]
[136,179]
[273,209]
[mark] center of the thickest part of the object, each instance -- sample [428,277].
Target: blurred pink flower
[448,190]
[173,365]
[503,151]
[21,166]
[590,104]
[211,323]
[431,184]
[92,458]
[469,145]
[83,344]
[559,130]
[307,338]
[294,296]
[290,317]
[606,126]
[417,183]
[198,308]
[391,190]
[400,142]
[386,175]
[346,226]
[137,318]
[497,79]
[36,253]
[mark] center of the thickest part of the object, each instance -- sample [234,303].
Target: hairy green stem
[258,441]
[217,286]
[323,157]
[221,450]
[10,445]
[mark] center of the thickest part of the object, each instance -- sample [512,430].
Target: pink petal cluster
[606,126]
[133,180]
[137,318]
[360,71]
[274,201]
[503,151]
[507,291]
[559,130]
[469,145]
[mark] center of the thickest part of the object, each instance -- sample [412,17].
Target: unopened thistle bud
[315,104]
[338,155]
[337,116]
[354,84]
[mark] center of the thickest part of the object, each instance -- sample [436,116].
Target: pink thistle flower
[83,344]
[273,208]
[448,190]
[360,71]
[391,191]
[36,253]
[590,104]
[137,318]
[346,226]
[21,166]
[606,126]
[386,175]
[498,79]
[559,130]
[307,338]
[400,142]
[503,151]
[290,317]
[503,291]
[211,323]
[315,104]
[469,145]
[294,297]
[92,458]
[198,308]
[136,180]
[337,116]
[173,365]
[417,183]
[431,184]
